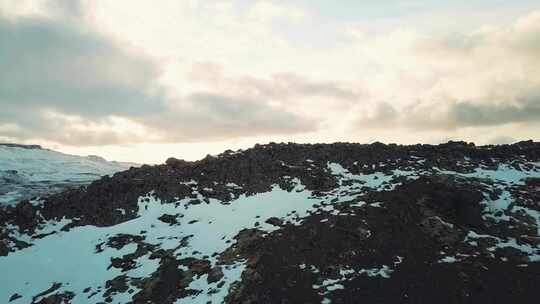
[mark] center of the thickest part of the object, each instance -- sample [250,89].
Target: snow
[47,227]
[48,165]
[145,267]
[504,174]
[358,204]
[11,196]
[191,182]
[32,172]
[314,269]
[505,207]
[233,185]
[376,181]
[66,257]
[217,223]
[70,257]
[449,225]
[329,285]
[448,259]
[346,272]
[231,274]
[530,212]
[533,252]
[335,287]
[501,204]
[384,272]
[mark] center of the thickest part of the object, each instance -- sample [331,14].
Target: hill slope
[288,223]
[29,170]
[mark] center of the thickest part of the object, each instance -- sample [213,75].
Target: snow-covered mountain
[288,223]
[27,171]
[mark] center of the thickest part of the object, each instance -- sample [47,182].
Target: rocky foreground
[288,223]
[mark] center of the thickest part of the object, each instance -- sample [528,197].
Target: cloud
[451,115]
[209,115]
[281,87]
[489,77]
[263,10]
[86,73]
[63,82]
[65,8]
[46,64]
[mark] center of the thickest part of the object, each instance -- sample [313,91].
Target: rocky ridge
[289,223]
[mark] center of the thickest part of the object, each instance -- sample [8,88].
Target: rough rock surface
[288,223]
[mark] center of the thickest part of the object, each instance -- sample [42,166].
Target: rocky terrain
[28,171]
[288,223]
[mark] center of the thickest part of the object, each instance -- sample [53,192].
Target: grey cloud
[216,116]
[499,64]
[468,114]
[290,85]
[65,8]
[39,127]
[50,65]
[454,115]
[383,116]
[280,87]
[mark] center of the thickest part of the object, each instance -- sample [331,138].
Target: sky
[141,81]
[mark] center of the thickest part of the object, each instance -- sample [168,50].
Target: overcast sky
[144,80]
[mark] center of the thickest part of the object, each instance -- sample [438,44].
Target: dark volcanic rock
[274,221]
[176,163]
[452,223]
[15,297]
[215,275]
[169,219]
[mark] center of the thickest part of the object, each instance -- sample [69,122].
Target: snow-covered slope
[288,224]
[28,171]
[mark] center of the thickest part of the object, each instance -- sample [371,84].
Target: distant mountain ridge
[27,171]
[11,145]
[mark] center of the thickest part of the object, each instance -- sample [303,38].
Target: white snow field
[27,172]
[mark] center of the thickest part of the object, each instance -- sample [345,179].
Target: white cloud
[488,77]
[223,68]
[66,83]
[264,11]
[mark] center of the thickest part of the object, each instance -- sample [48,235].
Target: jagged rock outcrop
[291,223]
